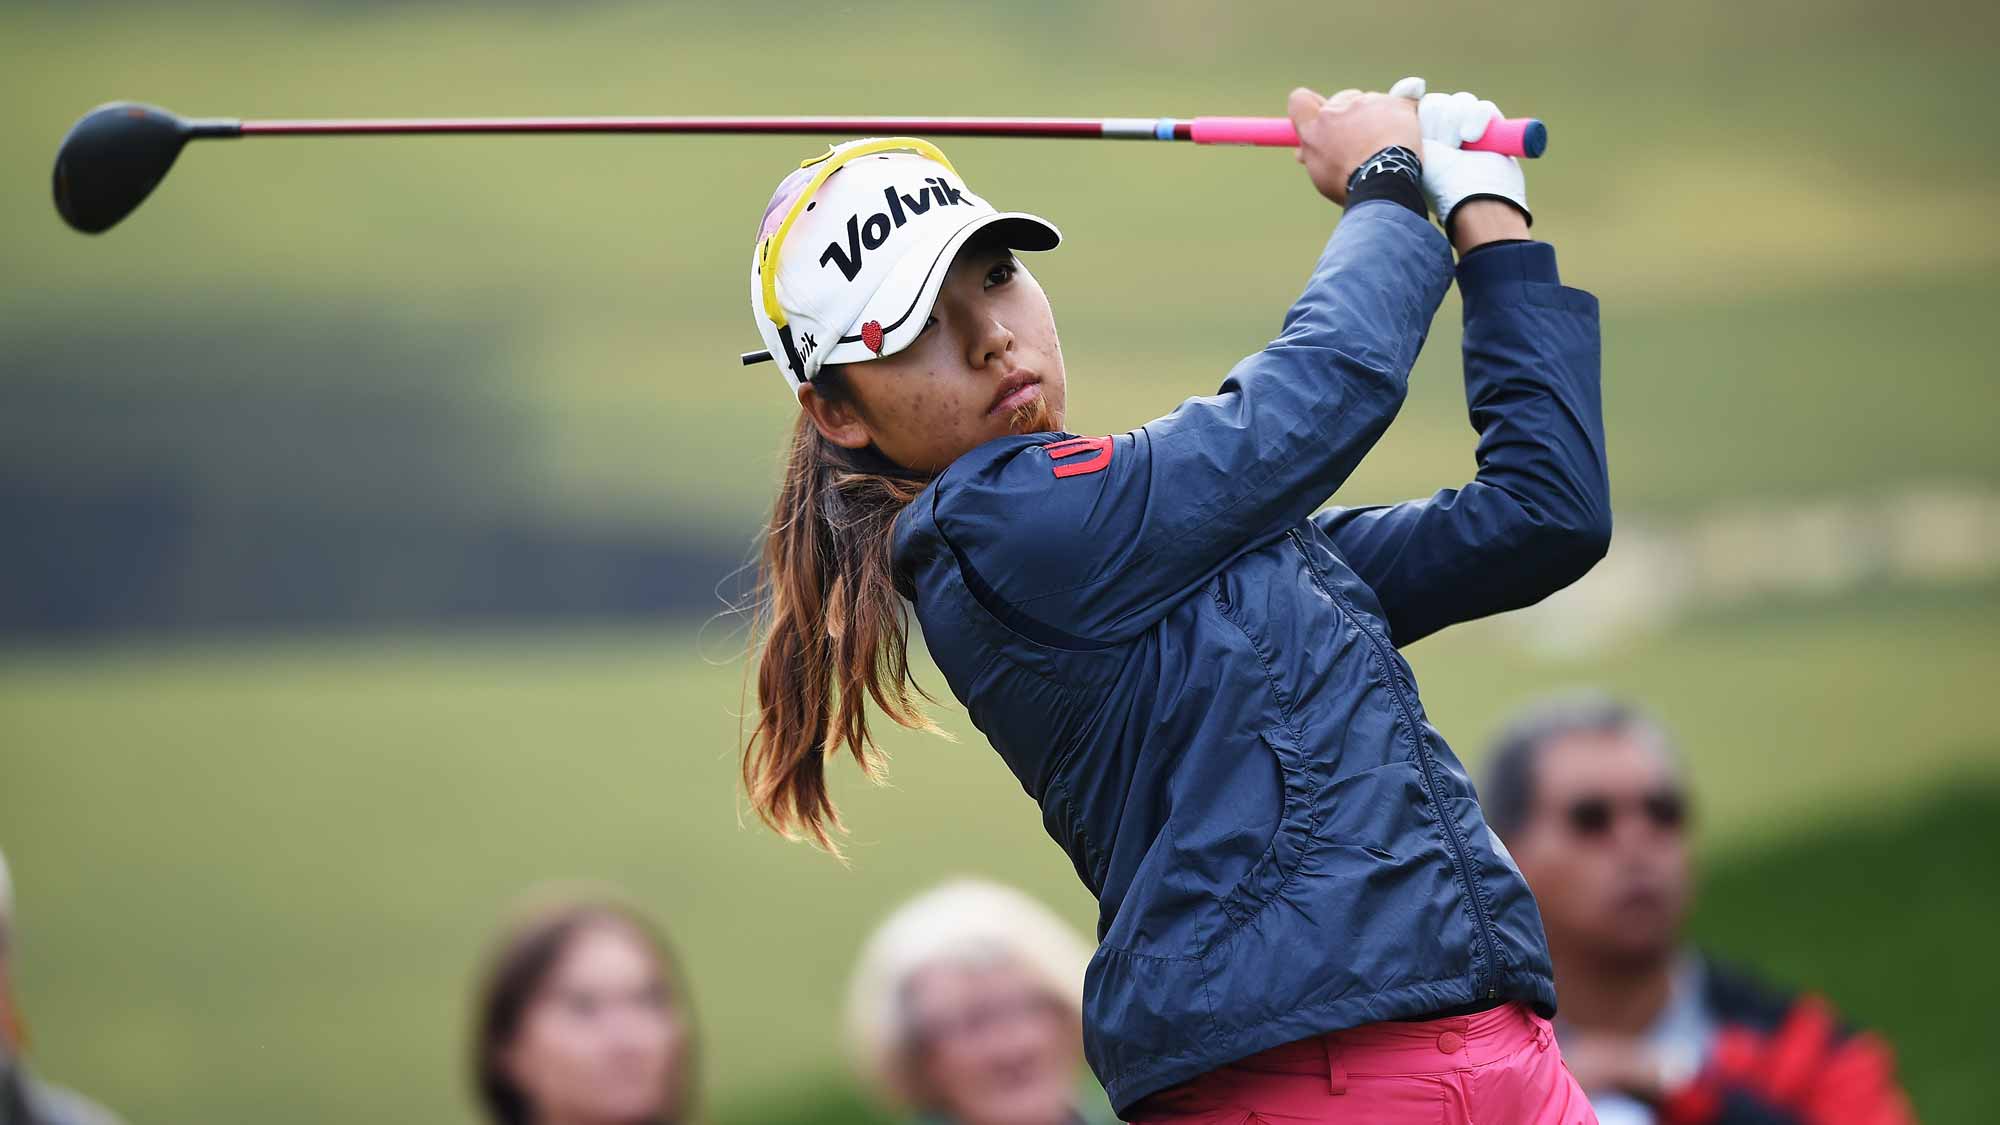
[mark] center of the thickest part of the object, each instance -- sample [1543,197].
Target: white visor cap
[862,262]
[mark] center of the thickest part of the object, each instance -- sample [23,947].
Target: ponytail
[834,628]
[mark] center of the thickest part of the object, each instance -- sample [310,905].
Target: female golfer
[1303,915]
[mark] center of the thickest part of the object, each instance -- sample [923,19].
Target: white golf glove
[1452,175]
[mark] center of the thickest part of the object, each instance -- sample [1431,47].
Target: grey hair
[1507,791]
[969,922]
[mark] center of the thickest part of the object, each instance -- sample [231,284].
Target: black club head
[112,159]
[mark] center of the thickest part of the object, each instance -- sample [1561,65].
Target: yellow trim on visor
[769,248]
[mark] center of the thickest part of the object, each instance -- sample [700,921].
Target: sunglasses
[1596,817]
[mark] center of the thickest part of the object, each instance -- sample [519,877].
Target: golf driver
[118,153]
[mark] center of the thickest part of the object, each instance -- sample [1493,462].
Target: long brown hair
[522,959]
[834,629]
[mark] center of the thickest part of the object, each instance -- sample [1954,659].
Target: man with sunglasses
[1587,793]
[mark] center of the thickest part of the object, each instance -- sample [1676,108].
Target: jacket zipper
[1454,841]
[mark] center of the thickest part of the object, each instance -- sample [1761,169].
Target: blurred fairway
[255,879]
[255,874]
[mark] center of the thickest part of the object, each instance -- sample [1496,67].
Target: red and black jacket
[1783,1059]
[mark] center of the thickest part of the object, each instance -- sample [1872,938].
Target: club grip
[1509,136]
[1512,136]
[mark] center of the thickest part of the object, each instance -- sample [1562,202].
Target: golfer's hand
[1336,134]
[1455,179]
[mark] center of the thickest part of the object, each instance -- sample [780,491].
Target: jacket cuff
[1397,215]
[1519,263]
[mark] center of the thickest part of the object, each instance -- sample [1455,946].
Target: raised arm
[1096,535]
[1094,539]
[1538,513]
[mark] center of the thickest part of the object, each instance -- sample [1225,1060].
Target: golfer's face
[986,365]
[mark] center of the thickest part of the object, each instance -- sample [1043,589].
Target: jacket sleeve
[1537,515]
[1093,538]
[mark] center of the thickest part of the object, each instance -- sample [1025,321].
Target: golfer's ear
[836,419]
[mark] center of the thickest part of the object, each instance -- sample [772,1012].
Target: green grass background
[255,873]
[255,878]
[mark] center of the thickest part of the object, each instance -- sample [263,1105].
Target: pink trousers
[1499,1067]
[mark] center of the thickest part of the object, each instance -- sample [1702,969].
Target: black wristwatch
[1393,173]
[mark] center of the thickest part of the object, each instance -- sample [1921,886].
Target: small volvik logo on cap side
[871,336]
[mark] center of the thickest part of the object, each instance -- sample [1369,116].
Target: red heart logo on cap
[871,336]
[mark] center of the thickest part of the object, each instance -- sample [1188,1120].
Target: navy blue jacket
[1198,680]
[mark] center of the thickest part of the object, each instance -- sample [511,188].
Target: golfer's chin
[1032,416]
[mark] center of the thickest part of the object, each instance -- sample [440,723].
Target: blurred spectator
[1588,794]
[967,1007]
[24,1101]
[584,1019]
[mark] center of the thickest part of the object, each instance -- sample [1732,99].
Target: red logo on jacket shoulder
[1059,451]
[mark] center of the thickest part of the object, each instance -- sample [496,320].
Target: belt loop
[1336,1074]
